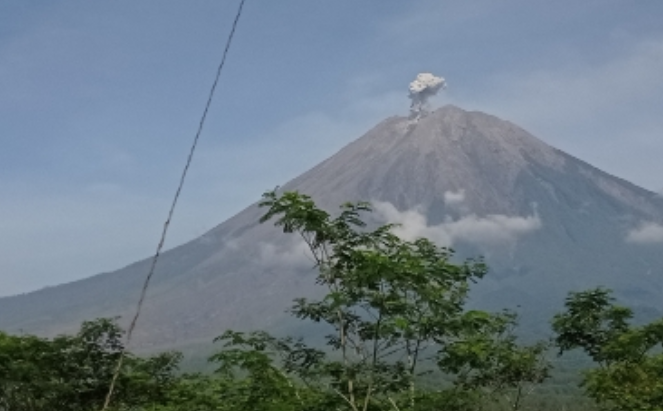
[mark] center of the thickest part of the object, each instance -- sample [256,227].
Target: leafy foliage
[392,304]
[73,372]
[629,375]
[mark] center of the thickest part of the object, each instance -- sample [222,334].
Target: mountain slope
[546,221]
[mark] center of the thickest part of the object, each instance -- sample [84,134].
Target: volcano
[547,223]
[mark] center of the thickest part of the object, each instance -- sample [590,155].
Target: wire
[139,305]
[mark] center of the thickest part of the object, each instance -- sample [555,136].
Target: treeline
[401,340]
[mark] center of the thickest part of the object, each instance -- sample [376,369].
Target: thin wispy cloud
[454,197]
[645,233]
[493,229]
[293,256]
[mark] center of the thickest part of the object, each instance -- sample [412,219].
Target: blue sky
[99,102]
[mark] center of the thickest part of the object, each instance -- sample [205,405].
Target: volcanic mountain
[546,222]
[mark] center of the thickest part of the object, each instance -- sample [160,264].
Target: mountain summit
[546,222]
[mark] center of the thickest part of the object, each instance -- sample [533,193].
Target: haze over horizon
[100,102]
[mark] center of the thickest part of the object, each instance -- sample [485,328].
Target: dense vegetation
[400,339]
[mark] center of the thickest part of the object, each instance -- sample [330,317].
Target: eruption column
[424,86]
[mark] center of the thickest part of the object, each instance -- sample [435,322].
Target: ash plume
[424,86]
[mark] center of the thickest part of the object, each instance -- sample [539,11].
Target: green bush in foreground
[72,373]
[629,373]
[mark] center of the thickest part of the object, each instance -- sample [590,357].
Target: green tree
[491,360]
[628,376]
[74,372]
[392,304]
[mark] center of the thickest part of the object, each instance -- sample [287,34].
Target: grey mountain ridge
[242,274]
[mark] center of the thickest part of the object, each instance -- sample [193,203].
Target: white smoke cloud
[412,224]
[646,233]
[295,255]
[454,197]
[424,86]
[490,230]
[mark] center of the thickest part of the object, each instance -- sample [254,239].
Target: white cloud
[454,197]
[492,229]
[489,230]
[646,233]
[295,255]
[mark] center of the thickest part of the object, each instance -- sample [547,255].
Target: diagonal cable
[139,305]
